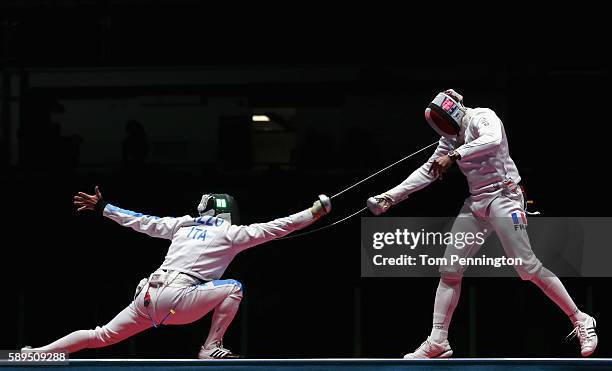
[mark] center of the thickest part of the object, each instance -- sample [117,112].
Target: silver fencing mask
[445,113]
[220,205]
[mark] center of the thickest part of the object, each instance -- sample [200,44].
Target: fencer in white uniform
[188,284]
[475,139]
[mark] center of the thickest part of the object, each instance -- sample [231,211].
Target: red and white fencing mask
[445,113]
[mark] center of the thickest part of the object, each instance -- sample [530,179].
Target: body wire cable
[352,186]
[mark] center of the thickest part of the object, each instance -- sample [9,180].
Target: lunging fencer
[188,284]
[475,139]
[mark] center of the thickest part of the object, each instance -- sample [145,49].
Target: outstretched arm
[245,236]
[150,225]
[419,179]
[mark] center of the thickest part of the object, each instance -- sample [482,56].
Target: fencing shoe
[585,331]
[431,349]
[216,351]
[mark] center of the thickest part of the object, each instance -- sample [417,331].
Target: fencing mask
[220,205]
[445,113]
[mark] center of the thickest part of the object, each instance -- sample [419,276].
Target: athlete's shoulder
[481,111]
[480,115]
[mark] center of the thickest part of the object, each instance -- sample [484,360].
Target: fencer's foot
[585,331]
[216,351]
[379,204]
[431,349]
[27,349]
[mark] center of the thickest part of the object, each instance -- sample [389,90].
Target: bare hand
[83,201]
[440,165]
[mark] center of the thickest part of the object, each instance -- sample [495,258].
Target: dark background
[345,104]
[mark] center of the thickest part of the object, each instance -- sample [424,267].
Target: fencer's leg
[584,325]
[127,323]
[449,288]
[551,285]
[516,244]
[447,297]
[222,296]
[224,314]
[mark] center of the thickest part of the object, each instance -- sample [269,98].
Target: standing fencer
[475,139]
[188,284]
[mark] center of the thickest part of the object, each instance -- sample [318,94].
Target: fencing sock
[554,289]
[447,296]
[223,317]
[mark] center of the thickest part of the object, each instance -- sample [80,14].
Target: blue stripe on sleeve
[113,208]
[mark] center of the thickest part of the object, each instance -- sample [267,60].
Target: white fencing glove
[379,204]
[321,207]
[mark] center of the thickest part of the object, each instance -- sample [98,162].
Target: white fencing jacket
[204,246]
[485,158]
